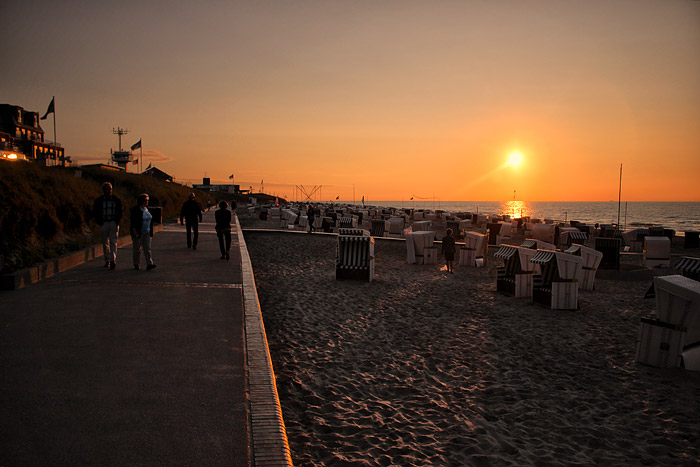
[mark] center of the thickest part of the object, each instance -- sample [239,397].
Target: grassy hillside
[46,211]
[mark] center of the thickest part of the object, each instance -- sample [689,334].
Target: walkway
[131,367]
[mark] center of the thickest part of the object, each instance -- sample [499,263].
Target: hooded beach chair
[590,260]
[354,257]
[515,277]
[557,286]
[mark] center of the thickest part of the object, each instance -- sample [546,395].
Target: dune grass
[47,211]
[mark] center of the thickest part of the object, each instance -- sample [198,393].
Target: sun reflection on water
[516,209]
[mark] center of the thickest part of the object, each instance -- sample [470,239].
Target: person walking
[448,249]
[142,232]
[191,212]
[107,211]
[223,229]
[311,214]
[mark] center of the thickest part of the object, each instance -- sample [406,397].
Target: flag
[230,177]
[136,161]
[49,110]
[277,201]
[337,198]
[136,145]
[411,198]
[149,166]
[363,200]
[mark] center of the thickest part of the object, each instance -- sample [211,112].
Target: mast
[619,199]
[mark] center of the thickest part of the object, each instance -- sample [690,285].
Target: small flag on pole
[136,161]
[337,198]
[50,110]
[363,200]
[149,166]
[230,177]
[136,145]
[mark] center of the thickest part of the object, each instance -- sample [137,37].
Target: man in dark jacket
[107,211]
[191,212]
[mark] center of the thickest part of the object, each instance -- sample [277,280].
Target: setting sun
[515,159]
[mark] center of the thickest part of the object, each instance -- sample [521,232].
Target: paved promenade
[130,367]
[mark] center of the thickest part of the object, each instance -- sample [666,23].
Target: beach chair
[557,286]
[378,227]
[515,277]
[590,261]
[610,247]
[691,239]
[347,222]
[354,257]
[657,251]
[416,245]
[689,267]
[493,229]
[504,235]
[473,253]
[672,335]
[355,232]
[454,224]
[545,232]
[569,236]
[421,225]
[396,226]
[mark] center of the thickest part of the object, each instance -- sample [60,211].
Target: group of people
[108,210]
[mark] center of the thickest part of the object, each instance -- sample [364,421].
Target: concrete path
[130,367]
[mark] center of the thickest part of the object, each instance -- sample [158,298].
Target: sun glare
[515,159]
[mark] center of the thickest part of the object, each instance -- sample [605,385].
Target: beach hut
[354,257]
[590,260]
[515,277]
[557,286]
[420,247]
[673,334]
[657,251]
[473,253]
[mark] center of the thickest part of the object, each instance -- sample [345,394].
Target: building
[207,186]
[22,138]
[157,173]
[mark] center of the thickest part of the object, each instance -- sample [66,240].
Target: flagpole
[55,143]
[141,156]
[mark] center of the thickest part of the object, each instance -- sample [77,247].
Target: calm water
[680,216]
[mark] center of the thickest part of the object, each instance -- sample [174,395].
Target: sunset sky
[395,98]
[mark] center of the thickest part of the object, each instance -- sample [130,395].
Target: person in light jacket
[142,232]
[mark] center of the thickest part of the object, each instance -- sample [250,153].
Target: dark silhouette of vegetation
[46,211]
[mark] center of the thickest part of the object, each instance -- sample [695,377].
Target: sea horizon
[681,216]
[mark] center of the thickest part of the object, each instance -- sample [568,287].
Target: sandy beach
[421,367]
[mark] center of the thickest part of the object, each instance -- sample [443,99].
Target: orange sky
[395,98]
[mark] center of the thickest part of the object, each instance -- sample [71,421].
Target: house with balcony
[22,138]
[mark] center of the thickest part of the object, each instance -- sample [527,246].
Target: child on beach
[448,249]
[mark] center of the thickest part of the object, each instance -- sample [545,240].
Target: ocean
[679,216]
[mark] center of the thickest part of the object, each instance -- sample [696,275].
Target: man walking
[108,212]
[191,212]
